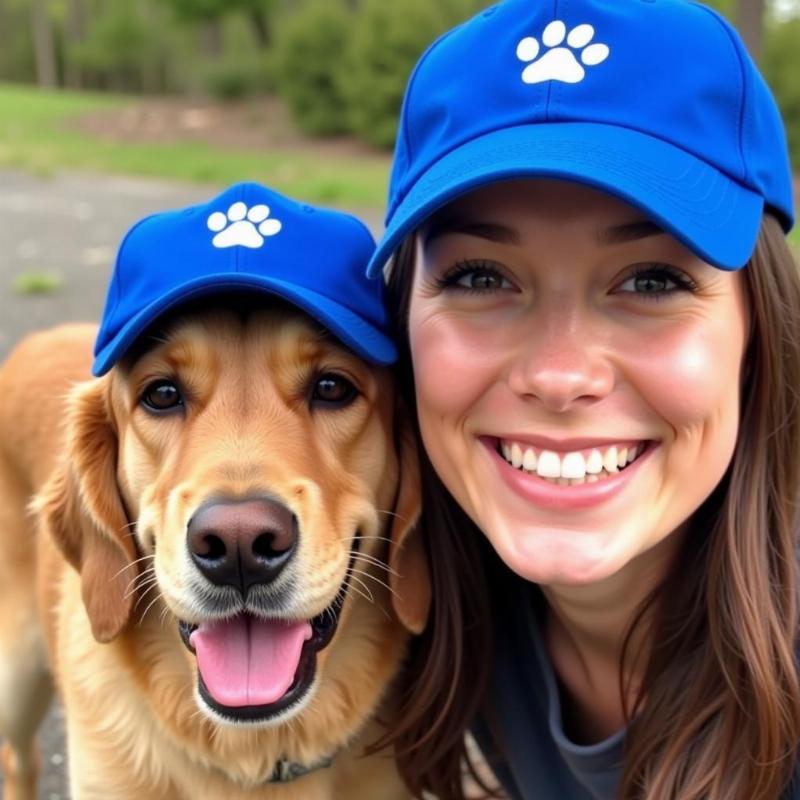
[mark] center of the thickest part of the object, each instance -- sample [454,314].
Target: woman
[602,318]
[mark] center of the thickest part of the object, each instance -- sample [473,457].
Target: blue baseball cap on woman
[254,239]
[656,102]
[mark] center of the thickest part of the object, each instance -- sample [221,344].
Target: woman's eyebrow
[629,232]
[483,230]
[494,232]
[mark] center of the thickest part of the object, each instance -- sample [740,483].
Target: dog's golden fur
[95,494]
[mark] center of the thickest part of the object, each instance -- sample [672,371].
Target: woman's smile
[571,464]
[569,476]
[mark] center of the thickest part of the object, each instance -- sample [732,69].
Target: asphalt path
[69,226]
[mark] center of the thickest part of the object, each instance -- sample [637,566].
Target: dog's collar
[286,771]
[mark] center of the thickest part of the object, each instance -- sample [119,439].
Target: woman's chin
[561,557]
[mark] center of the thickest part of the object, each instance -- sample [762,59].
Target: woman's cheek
[451,364]
[690,373]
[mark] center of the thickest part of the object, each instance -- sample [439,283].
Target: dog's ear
[409,576]
[81,508]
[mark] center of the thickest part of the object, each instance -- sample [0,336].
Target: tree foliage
[385,43]
[309,51]
[781,65]
[342,65]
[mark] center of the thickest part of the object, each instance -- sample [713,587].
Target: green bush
[309,50]
[17,60]
[231,78]
[385,43]
[781,64]
[116,50]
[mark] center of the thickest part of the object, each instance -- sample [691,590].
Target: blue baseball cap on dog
[656,102]
[248,238]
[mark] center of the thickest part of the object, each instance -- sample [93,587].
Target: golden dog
[218,566]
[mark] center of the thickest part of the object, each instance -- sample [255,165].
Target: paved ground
[69,225]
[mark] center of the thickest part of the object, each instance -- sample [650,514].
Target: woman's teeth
[571,469]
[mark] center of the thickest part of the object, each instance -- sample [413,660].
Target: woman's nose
[562,361]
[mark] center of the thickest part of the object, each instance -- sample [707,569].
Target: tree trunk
[750,21]
[150,69]
[44,46]
[261,28]
[212,38]
[76,22]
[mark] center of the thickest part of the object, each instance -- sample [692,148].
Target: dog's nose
[241,543]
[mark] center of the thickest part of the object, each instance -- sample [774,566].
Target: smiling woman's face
[577,375]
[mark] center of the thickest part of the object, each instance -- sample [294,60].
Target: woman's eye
[655,281]
[474,278]
[482,280]
[333,390]
[161,395]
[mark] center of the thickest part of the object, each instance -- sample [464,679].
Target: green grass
[35,135]
[37,283]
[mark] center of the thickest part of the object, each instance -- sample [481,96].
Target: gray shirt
[524,738]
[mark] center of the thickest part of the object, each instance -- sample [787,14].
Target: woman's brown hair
[718,713]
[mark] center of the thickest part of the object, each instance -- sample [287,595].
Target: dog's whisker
[140,587]
[164,614]
[139,582]
[131,527]
[144,577]
[363,593]
[376,579]
[128,566]
[382,565]
[144,594]
[371,599]
[198,713]
[216,733]
[150,605]
[364,536]
[156,339]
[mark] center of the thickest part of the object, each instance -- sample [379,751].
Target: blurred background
[112,109]
[301,93]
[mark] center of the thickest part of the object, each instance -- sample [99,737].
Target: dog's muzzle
[252,666]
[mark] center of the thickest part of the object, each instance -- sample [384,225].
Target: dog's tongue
[246,661]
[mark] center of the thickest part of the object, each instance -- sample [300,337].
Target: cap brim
[363,338]
[712,214]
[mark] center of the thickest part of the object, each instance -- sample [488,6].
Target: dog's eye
[333,390]
[161,395]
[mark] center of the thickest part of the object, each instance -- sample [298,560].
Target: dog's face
[257,468]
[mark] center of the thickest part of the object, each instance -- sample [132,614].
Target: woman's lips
[569,479]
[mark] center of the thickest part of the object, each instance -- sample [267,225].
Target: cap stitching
[550,83]
[414,218]
[117,270]
[740,111]
[343,333]
[406,112]
[461,144]
[242,194]
[629,169]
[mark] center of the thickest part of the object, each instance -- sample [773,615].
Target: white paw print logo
[243,226]
[561,63]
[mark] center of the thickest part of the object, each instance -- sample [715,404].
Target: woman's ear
[409,575]
[81,508]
